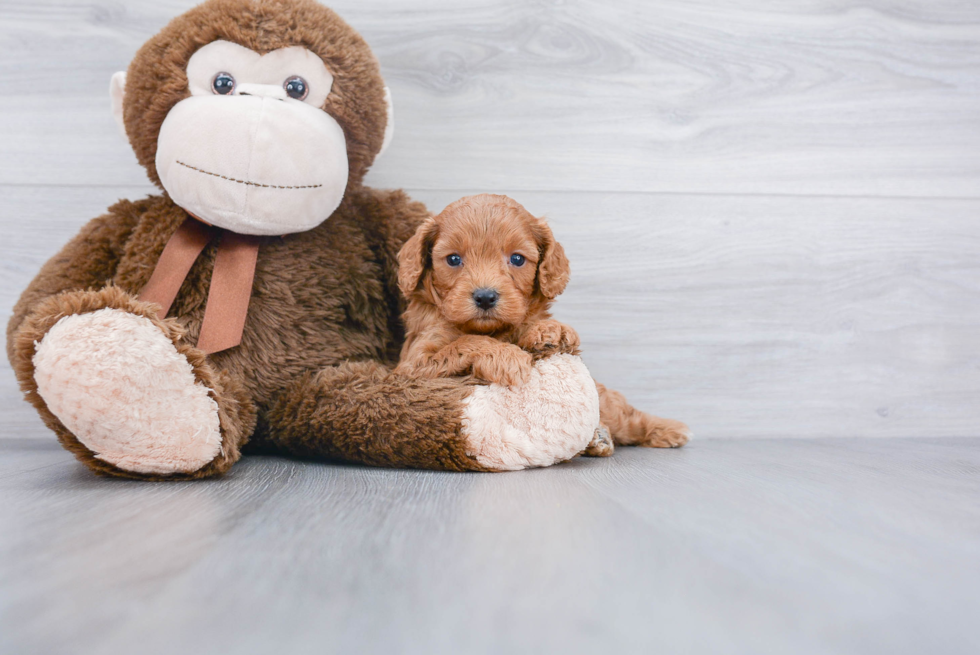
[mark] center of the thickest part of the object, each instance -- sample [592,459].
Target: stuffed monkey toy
[256,301]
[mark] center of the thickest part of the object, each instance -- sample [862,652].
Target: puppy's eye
[223,84]
[517,260]
[454,260]
[296,87]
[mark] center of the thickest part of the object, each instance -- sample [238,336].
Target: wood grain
[777,317]
[822,97]
[744,316]
[830,546]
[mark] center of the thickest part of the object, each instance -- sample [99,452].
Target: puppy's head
[485,262]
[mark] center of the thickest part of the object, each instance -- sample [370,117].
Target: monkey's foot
[550,418]
[124,391]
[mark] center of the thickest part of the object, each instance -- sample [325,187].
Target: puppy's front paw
[509,366]
[546,338]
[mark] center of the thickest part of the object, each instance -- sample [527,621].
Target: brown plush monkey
[256,300]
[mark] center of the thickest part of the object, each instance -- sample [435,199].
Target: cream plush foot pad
[549,419]
[117,382]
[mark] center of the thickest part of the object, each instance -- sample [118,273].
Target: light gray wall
[771,208]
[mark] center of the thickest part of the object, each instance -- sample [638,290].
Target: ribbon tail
[178,256]
[231,289]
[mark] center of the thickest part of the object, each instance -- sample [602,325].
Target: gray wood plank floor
[748,546]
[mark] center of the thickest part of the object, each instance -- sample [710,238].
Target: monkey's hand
[546,338]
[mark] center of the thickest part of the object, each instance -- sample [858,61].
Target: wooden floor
[748,546]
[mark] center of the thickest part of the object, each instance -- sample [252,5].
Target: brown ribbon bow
[231,280]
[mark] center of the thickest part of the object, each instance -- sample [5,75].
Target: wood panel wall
[772,209]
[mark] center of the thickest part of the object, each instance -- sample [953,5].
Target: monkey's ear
[415,256]
[390,125]
[553,268]
[117,91]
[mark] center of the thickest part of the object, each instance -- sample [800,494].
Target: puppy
[480,278]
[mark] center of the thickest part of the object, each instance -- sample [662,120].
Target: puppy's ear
[415,256]
[553,269]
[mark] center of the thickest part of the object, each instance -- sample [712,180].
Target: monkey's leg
[631,427]
[123,393]
[364,413]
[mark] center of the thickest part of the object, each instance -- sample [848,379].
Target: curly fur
[448,334]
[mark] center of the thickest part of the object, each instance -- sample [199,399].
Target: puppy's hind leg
[601,445]
[631,427]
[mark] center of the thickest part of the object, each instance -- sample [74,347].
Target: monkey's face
[255,117]
[250,150]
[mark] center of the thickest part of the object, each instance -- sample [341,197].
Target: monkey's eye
[223,84]
[454,260]
[517,260]
[296,87]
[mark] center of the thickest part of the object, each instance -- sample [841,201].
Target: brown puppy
[480,278]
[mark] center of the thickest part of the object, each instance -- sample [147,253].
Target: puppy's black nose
[485,298]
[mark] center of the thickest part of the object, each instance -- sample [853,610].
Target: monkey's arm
[362,412]
[391,219]
[87,261]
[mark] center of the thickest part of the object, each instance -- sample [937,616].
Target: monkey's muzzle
[253,165]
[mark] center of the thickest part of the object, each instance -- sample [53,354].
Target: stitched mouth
[248,182]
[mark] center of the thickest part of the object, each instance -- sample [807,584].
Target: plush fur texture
[470,249]
[236,411]
[119,385]
[310,376]
[157,78]
[361,412]
[538,423]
